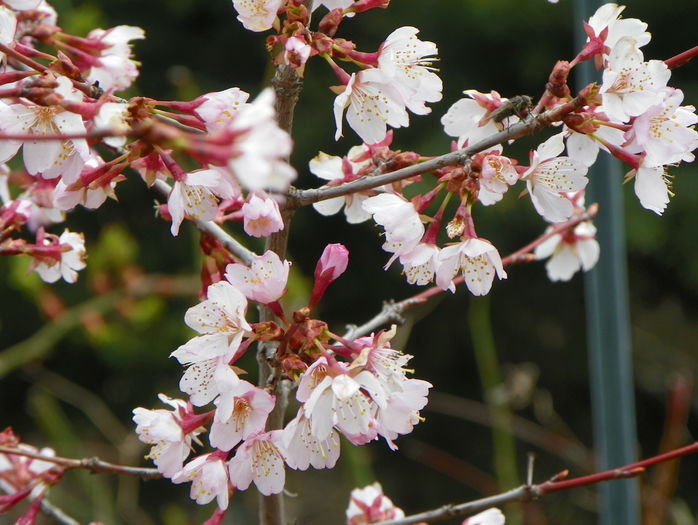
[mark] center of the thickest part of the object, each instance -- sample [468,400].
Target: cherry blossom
[51,158]
[570,251]
[372,104]
[196,195]
[261,149]
[652,187]
[665,132]
[335,397]
[630,85]
[419,263]
[549,177]
[477,259]
[405,61]
[332,263]
[261,216]
[259,460]
[209,479]
[370,505]
[8,27]
[218,109]
[113,117]
[497,174]
[70,261]
[403,227]
[263,281]
[466,118]
[92,195]
[257,15]
[115,69]
[608,17]
[163,429]
[337,170]
[303,449]
[241,412]
[221,318]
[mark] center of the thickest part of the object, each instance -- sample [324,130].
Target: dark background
[78,395]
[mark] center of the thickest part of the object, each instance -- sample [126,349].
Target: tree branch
[392,311]
[520,129]
[94,465]
[531,492]
[215,231]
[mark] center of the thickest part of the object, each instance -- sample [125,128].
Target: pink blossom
[403,227]
[569,252]
[296,52]
[372,104]
[337,170]
[51,158]
[370,505]
[263,281]
[477,259]
[163,429]
[302,449]
[407,63]
[261,147]
[71,260]
[259,460]
[630,85]
[196,195]
[549,177]
[608,17]
[665,132]
[218,109]
[419,264]
[261,216]
[209,479]
[115,69]
[91,195]
[242,411]
[8,27]
[498,173]
[221,318]
[465,119]
[257,15]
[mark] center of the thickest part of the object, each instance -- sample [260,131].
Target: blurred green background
[71,383]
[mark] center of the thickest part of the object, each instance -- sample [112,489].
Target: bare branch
[47,507]
[518,130]
[94,465]
[215,231]
[530,492]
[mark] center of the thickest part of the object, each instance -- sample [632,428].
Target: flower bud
[331,265]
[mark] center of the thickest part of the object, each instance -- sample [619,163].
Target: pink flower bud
[331,265]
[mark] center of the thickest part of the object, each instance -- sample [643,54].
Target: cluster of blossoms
[23,477]
[369,505]
[56,113]
[633,115]
[357,388]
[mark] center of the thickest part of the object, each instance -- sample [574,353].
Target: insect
[518,105]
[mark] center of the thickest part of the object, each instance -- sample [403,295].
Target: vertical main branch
[287,84]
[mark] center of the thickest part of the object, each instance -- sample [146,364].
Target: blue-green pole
[608,325]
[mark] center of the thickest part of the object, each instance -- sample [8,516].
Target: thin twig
[392,311]
[531,492]
[518,130]
[94,465]
[215,231]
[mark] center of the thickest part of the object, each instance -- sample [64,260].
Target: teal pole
[608,324]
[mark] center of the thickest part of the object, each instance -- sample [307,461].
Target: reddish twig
[531,492]
[682,58]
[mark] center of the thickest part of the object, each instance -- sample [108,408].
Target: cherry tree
[221,164]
